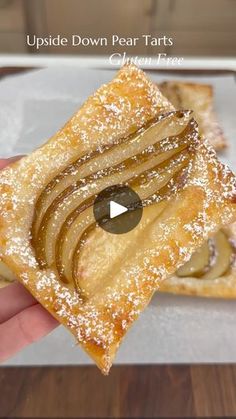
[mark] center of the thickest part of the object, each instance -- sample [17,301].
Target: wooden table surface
[152,391]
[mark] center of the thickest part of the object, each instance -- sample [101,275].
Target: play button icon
[118,209]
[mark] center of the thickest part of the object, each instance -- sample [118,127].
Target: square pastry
[94,281]
[200,98]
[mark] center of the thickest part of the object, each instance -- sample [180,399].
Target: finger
[3,163]
[26,327]
[14,299]
[6,162]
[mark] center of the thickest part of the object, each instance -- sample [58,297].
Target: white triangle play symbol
[116,209]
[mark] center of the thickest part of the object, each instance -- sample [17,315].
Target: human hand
[22,319]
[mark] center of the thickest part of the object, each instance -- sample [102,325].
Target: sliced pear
[169,125]
[56,217]
[223,253]
[199,260]
[149,161]
[56,214]
[69,239]
[108,251]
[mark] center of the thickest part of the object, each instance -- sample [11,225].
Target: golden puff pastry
[199,98]
[94,282]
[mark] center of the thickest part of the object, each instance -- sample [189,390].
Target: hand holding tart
[96,283]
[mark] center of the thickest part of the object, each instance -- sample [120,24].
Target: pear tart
[211,270]
[94,282]
[199,98]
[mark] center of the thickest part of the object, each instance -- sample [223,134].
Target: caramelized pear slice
[108,251]
[55,219]
[150,183]
[171,124]
[87,188]
[198,261]
[145,161]
[223,254]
